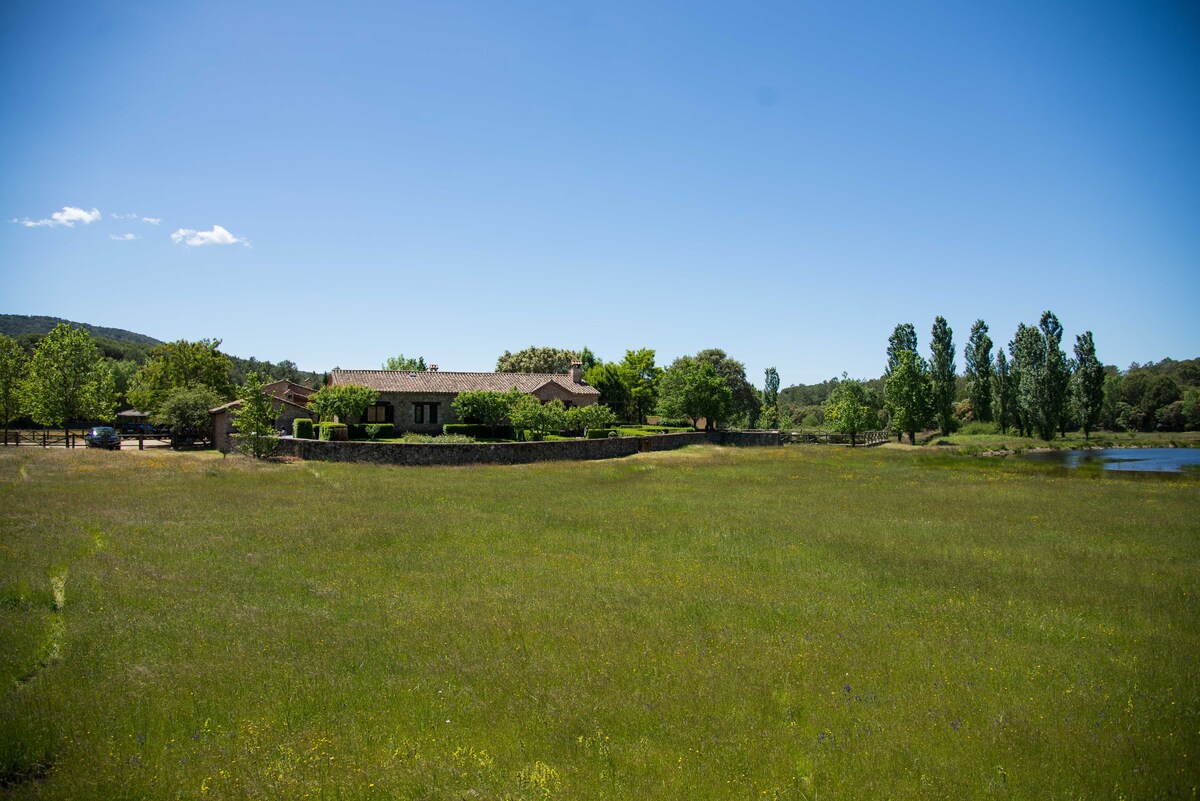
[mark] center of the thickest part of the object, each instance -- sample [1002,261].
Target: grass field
[799,623]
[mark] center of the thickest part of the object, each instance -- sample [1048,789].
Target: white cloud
[152,220]
[136,216]
[217,236]
[68,217]
[124,237]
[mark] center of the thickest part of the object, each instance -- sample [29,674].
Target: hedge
[601,433]
[357,430]
[377,430]
[478,430]
[302,428]
[334,432]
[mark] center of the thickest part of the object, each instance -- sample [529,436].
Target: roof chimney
[576,371]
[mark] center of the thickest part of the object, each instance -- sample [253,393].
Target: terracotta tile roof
[234,403]
[439,381]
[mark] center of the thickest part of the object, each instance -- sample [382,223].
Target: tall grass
[708,623]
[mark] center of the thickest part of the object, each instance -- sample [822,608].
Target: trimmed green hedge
[601,433]
[377,430]
[335,432]
[477,430]
[357,430]
[302,428]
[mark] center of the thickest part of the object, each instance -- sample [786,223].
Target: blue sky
[340,182]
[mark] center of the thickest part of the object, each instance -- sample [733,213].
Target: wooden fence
[45,438]
[834,438]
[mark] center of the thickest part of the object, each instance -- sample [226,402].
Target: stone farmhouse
[289,399]
[420,400]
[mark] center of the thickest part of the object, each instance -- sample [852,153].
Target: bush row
[477,430]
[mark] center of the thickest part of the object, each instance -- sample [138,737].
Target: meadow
[804,622]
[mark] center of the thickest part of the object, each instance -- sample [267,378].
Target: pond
[1145,460]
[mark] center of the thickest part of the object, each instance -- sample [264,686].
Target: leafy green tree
[181,364]
[1003,393]
[68,380]
[342,401]
[641,378]
[978,357]
[124,372]
[1034,410]
[13,363]
[848,409]
[692,389]
[186,411]
[609,380]
[1112,396]
[1191,408]
[768,415]
[588,359]
[485,407]
[403,362]
[1058,374]
[590,417]
[942,374]
[903,338]
[745,400]
[528,413]
[536,360]
[1087,385]
[254,419]
[907,395]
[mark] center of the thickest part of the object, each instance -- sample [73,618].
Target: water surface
[1145,460]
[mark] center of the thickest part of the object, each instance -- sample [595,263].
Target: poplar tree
[978,356]
[942,371]
[1028,351]
[1058,374]
[904,338]
[1003,399]
[1087,385]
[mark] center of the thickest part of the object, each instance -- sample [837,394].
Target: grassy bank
[709,623]
[978,443]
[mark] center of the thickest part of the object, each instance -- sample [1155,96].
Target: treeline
[1034,386]
[127,351]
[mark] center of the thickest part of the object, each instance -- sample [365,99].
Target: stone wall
[420,453]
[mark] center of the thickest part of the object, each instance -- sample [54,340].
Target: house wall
[555,391]
[223,431]
[402,406]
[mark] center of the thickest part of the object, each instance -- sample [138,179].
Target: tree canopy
[1087,385]
[181,364]
[403,362]
[848,409]
[342,401]
[67,380]
[13,364]
[691,388]
[978,356]
[254,419]
[907,395]
[485,407]
[942,373]
[536,360]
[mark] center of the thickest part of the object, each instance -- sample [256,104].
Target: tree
[641,378]
[124,373]
[1191,409]
[590,417]
[1087,385]
[342,401]
[691,389]
[181,364]
[186,411]
[1004,396]
[403,362]
[485,407]
[848,409]
[745,400]
[13,363]
[768,416]
[588,359]
[254,419]
[536,360]
[1028,351]
[942,372]
[68,380]
[609,380]
[907,395]
[1058,374]
[903,338]
[539,418]
[978,357]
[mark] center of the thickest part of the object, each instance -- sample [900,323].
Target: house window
[425,413]
[379,413]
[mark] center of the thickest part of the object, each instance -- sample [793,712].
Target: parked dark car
[103,437]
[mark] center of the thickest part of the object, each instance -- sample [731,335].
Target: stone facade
[222,418]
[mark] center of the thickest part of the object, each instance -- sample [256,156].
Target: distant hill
[119,344]
[15,324]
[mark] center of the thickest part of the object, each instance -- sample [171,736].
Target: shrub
[444,439]
[977,427]
[334,432]
[377,430]
[600,433]
[356,430]
[302,428]
[479,430]
[671,423]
